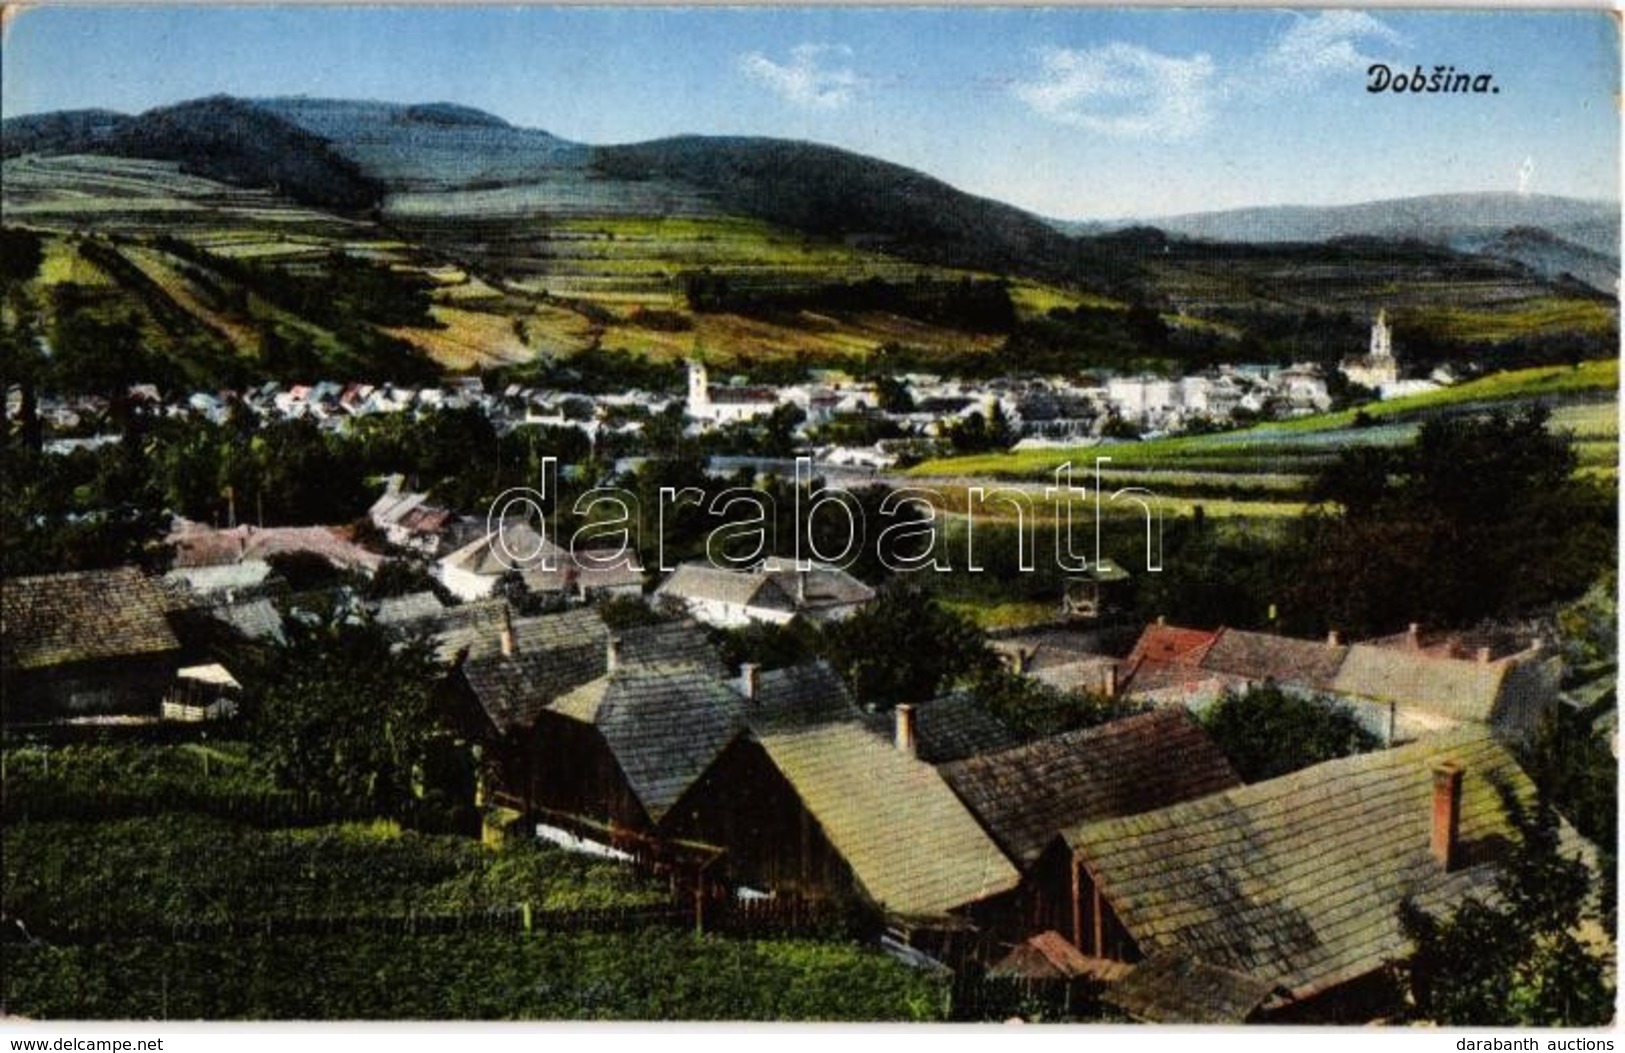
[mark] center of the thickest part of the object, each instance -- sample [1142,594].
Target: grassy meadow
[183,914]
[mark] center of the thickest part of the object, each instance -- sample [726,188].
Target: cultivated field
[1265,470]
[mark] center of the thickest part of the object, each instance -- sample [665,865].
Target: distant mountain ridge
[219,137]
[1440,218]
[1551,235]
[359,156]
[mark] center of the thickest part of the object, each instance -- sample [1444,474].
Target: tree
[344,709]
[904,648]
[1482,516]
[893,396]
[1267,732]
[1577,772]
[1516,959]
[1036,710]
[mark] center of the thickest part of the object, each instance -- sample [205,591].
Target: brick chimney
[505,635]
[1484,656]
[612,655]
[1413,635]
[1109,681]
[1334,639]
[1162,619]
[1446,826]
[750,679]
[904,714]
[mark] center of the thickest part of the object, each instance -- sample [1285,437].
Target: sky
[1073,113]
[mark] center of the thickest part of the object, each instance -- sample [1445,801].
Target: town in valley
[458,571]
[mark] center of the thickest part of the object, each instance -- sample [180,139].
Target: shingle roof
[1094,674]
[909,841]
[513,689]
[559,653]
[1170,643]
[477,627]
[948,728]
[1296,881]
[255,619]
[1044,648]
[393,610]
[1025,795]
[824,586]
[1263,656]
[1461,690]
[1176,681]
[199,545]
[568,574]
[776,586]
[1175,989]
[701,581]
[1048,956]
[60,619]
[675,643]
[664,726]
[806,693]
[517,546]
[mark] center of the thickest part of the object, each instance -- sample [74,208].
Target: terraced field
[148,197]
[543,268]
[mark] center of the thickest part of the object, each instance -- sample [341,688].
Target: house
[1025,795]
[509,671]
[1399,687]
[1308,664]
[473,571]
[823,810]
[1281,898]
[775,593]
[407,520]
[198,545]
[619,751]
[85,645]
[1512,694]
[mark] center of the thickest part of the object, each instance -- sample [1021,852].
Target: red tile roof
[1170,643]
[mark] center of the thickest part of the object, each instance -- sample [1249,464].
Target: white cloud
[1318,45]
[1123,90]
[1131,92]
[813,77]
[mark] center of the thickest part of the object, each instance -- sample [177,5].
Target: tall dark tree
[1519,959]
[1267,732]
[344,709]
[1482,516]
[905,648]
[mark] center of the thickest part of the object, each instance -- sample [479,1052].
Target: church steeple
[699,394]
[1382,337]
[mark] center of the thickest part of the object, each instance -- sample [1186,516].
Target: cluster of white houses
[1129,853]
[1038,410]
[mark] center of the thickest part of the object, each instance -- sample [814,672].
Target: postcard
[809,514]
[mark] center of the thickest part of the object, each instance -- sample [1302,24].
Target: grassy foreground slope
[179,912]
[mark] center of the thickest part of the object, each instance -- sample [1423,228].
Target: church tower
[699,395]
[1377,368]
[1382,338]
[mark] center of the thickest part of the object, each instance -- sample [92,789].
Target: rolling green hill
[527,246]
